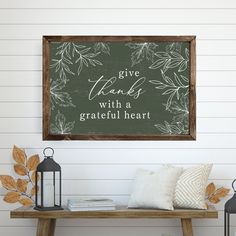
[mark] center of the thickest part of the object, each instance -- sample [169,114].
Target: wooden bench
[47,220]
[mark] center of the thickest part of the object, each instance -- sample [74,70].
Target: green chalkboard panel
[122,88]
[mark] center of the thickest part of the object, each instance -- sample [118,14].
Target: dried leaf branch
[22,189]
[214,195]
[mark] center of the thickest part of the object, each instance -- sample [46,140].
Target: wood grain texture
[46,227]
[47,220]
[52,227]
[45,91]
[120,212]
[187,227]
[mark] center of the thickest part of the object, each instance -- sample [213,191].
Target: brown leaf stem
[28,175]
[21,193]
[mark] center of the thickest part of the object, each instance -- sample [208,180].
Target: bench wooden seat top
[47,219]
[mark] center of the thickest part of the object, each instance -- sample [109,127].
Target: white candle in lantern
[48,195]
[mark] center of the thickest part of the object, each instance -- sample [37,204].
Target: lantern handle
[233,185]
[44,152]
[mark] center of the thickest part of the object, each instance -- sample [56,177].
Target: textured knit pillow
[155,189]
[191,187]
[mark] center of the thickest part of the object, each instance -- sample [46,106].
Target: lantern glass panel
[48,189]
[57,189]
[38,203]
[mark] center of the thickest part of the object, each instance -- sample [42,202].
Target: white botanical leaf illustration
[175,46]
[186,53]
[180,110]
[86,58]
[142,51]
[72,52]
[62,65]
[59,97]
[60,126]
[102,48]
[180,120]
[168,128]
[171,87]
[172,58]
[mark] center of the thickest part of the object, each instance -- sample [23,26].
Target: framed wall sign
[119,87]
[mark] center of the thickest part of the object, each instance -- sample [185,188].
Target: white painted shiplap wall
[107,168]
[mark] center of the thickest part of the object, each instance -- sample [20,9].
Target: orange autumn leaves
[22,189]
[214,194]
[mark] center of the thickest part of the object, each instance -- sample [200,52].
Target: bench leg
[52,227]
[187,227]
[46,227]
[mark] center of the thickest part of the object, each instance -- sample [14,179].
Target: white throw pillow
[155,189]
[191,187]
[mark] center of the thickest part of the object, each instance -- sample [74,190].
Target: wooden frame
[191,135]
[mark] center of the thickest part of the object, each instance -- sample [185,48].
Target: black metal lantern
[230,208]
[48,178]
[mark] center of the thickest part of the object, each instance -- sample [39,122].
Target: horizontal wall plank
[216,94]
[216,78]
[216,63]
[21,47]
[203,141]
[119,172]
[21,109]
[83,154]
[129,16]
[34,47]
[216,109]
[27,32]
[20,63]
[34,94]
[21,78]
[34,78]
[121,4]
[209,125]
[20,94]
[27,125]
[34,125]
[215,47]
